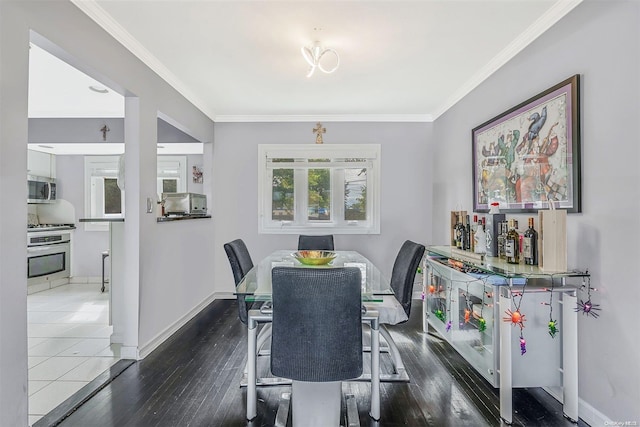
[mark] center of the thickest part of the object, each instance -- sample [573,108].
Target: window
[172,174]
[105,199]
[333,188]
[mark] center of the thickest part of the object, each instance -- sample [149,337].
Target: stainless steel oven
[48,257]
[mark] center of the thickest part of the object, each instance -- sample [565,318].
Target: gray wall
[405,187]
[600,40]
[149,247]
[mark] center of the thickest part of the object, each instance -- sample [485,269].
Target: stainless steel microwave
[41,189]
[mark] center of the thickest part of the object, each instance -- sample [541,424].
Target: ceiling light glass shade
[314,54]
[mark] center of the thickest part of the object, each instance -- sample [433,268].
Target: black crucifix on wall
[319,130]
[104,129]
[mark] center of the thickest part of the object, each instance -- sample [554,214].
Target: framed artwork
[529,156]
[196,172]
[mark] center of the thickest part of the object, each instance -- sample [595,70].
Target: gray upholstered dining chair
[316,335]
[402,278]
[241,263]
[316,243]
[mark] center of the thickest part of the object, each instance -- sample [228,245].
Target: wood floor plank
[193,379]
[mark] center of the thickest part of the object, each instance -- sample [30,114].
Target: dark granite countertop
[180,217]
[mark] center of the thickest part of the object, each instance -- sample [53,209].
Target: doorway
[69,325]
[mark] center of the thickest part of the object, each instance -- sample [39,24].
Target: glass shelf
[494,266]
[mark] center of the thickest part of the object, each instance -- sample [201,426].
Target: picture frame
[529,156]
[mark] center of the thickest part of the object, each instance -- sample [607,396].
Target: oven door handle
[45,248]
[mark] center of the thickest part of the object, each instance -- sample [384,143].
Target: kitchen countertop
[180,217]
[101,220]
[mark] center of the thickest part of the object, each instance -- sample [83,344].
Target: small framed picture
[197,174]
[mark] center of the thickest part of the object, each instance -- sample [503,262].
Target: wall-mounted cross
[319,130]
[104,129]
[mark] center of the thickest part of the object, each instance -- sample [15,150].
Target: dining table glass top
[256,285]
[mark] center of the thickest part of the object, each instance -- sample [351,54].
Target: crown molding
[419,118]
[542,24]
[94,11]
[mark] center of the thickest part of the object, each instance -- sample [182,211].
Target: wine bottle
[503,229]
[480,239]
[512,244]
[459,229]
[530,245]
[467,235]
[474,228]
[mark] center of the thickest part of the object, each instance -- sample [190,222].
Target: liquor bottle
[512,244]
[474,228]
[480,239]
[459,232]
[467,235]
[530,245]
[502,235]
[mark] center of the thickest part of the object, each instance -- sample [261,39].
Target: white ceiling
[241,60]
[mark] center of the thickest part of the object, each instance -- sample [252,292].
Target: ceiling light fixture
[314,54]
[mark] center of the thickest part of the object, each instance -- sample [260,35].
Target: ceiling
[241,60]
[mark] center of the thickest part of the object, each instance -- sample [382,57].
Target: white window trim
[91,164]
[178,162]
[371,152]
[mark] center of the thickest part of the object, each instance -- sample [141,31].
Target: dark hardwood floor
[193,379]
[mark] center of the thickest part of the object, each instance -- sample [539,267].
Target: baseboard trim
[586,412]
[147,348]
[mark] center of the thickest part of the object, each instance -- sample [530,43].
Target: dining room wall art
[528,157]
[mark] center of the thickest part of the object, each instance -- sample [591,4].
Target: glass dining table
[256,286]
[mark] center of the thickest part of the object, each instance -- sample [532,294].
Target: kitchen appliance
[41,189]
[184,204]
[48,256]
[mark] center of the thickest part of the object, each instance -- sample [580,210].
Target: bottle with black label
[459,233]
[503,229]
[467,235]
[530,245]
[512,244]
[480,239]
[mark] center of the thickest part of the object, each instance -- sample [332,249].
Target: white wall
[600,40]
[150,275]
[405,188]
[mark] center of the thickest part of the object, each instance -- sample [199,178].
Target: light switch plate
[149,205]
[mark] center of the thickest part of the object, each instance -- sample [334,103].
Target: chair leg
[398,365]
[252,392]
[374,412]
[283,410]
[263,337]
[353,419]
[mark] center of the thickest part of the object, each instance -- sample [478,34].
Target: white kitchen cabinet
[469,304]
[41,164]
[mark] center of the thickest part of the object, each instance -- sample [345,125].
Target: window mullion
[301,202]
[337,197]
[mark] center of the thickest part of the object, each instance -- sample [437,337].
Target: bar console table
[469,303]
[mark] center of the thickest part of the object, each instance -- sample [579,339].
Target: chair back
[315,243]
[404,272]
[317,323]
[241,263]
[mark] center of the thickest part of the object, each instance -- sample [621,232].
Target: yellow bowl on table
[309,257]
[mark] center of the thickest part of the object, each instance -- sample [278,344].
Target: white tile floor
[68,332]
